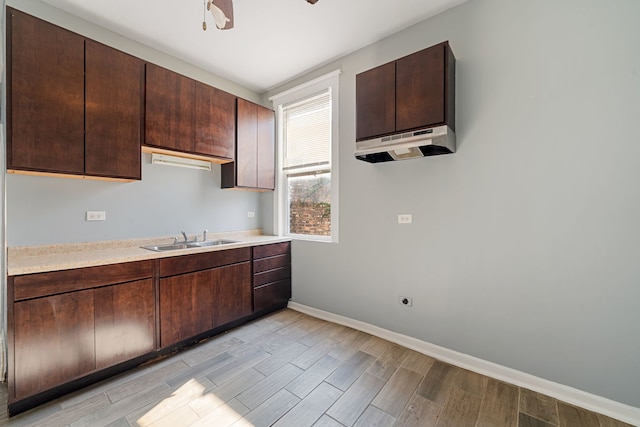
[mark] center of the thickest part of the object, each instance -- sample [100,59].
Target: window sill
[323,239]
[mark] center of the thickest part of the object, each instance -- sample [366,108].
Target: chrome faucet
[186,239]
[184,235]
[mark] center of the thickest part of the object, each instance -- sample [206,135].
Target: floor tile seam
[322,381]
[540,419]
[413,393]
[283,354]
[146,381]
[208,411]
[209,357]
[244,417]
[484,396]
[240,367]
[351,385]
[183,404]
[277,391]
[203,373]
[519,406]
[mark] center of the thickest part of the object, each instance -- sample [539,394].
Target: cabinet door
[186,303]
[232,293]
[215,125]
[420,89]
[272,295]
[54,341]
[124,322]
[266,148]
[247,153]
[169,109]
[375,102]
[45,96]
[114,93]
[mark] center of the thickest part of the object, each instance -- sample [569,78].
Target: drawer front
[271,295]
[271,263]
[203,261]
[57,282]
[271,276]
[271,250]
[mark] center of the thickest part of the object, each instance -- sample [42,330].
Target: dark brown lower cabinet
[124,322]
[232,293]
[185,306]
[54,341]
[193,303]
[65,325]
[59,338]
[271,276]
[274,294]
[67,329]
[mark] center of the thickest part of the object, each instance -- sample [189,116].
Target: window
[306,193]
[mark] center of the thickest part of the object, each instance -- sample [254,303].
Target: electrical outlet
[405,219]
[96,216]
[251,214]
[407,302]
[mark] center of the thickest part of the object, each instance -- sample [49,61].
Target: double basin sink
[189,245]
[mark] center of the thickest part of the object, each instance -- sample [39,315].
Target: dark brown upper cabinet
[169,109]
[215,122]
[254,165]
[45,96]
[413,92]
[114,84]
[188,117]
[74,105]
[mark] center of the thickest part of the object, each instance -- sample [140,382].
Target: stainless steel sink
[178,246]
[170,247]
[211,243]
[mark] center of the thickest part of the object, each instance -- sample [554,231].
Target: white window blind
[307,132]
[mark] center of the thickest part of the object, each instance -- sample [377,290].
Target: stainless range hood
[407,145]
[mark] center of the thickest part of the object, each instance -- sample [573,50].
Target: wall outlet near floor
[96,216]
[251,214]
[406,301]
[405,219]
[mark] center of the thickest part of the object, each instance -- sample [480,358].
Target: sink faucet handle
[204,235]
[185,236]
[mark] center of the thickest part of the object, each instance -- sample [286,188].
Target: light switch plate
[405,219]
[96,216]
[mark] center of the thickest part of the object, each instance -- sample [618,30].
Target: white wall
[168,199]
[525,244]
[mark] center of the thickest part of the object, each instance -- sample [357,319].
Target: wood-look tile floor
[290,369]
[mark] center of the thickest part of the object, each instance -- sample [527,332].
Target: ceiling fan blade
[222,11]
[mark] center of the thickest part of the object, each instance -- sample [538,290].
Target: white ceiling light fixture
[222,12]
[183,162]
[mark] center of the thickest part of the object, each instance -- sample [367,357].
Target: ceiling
[273,40]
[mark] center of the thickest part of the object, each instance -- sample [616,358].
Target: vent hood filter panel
[410,145]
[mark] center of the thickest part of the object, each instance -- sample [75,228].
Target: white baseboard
[611,408]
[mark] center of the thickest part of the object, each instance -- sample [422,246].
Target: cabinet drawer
[271,250]
[271,276]
[202,261]
[271,263]
[57,282]
[270,295]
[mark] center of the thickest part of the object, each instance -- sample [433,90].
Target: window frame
[329,82]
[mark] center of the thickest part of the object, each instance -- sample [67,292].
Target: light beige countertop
[39,259]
